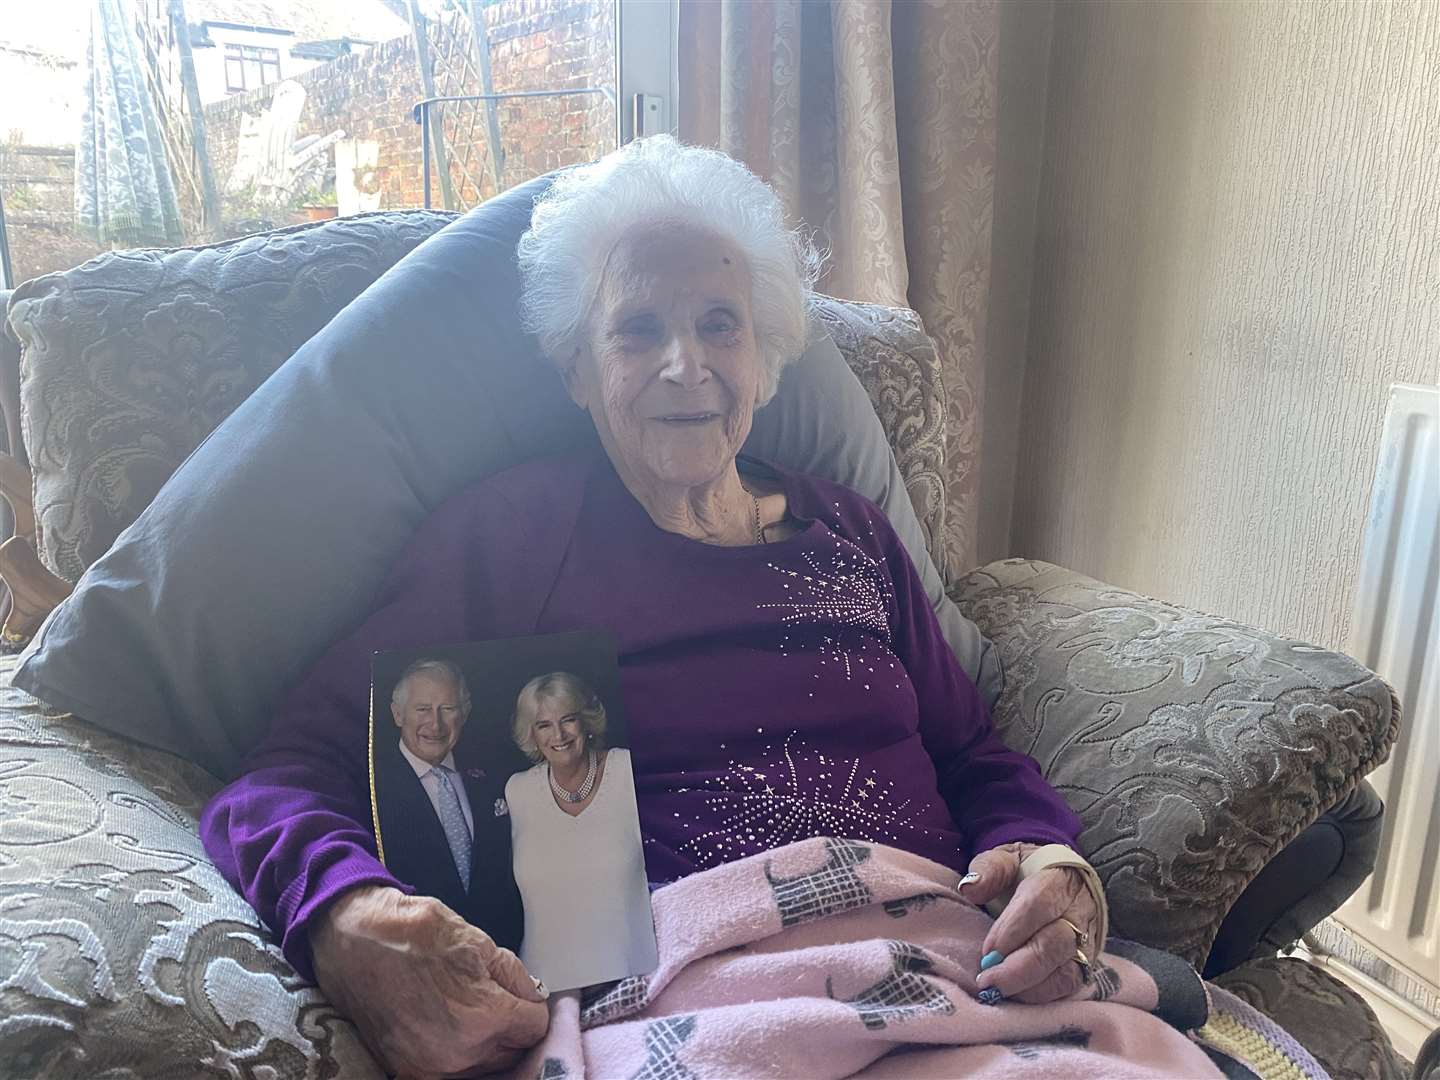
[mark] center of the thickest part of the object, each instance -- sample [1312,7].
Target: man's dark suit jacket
[417,852]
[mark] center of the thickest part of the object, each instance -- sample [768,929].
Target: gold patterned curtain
[876,123]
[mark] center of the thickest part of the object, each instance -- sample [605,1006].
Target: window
[249,66]
[552,66]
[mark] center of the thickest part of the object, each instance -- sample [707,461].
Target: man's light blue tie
[452,820]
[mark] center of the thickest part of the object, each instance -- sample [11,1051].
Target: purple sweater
[774,692]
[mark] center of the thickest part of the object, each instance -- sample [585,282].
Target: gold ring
[1081,937]
[1084,962]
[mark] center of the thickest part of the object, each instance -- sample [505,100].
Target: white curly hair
[657,182]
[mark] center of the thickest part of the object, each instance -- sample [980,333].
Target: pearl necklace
[583,792]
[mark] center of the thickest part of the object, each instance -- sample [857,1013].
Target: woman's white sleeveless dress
[582,880]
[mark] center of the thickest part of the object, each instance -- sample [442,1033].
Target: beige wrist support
[1052,855]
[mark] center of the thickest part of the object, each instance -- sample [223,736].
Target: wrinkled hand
[430,994]
[1039,951]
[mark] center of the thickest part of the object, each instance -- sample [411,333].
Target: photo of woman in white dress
[575,834]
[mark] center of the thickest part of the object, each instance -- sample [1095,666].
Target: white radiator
[1396,632]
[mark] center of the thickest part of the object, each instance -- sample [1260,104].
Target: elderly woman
[576,840]
[784,673]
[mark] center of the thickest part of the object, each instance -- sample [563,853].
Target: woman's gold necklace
[759,529]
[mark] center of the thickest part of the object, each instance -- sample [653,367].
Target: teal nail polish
[968,879]
[990,959]
[990,996]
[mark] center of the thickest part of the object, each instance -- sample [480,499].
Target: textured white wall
[1237,251]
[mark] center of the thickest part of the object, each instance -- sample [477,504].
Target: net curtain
[124,192]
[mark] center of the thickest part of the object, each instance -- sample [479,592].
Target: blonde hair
[589,709]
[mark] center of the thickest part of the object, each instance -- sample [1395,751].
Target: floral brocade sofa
[1214,765]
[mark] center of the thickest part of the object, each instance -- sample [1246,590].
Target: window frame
[247,59]
[647,47]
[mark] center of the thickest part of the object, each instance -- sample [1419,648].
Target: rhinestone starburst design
[845,590]
[793,793]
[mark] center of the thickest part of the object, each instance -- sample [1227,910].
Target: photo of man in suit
[443,821]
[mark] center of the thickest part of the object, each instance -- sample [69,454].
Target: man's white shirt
[431,783]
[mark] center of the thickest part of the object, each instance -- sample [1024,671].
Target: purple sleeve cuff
[1021,833]
[330,872]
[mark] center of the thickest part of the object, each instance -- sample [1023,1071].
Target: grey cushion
[1193,748]
[1323,1014]
[133,358]
[123,951]
[270,540]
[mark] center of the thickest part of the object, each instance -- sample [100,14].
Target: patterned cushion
[1323,1014]
[118,388]
[890,353]
[123,952]
[1194,748]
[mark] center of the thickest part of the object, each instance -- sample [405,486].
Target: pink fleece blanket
[834,958]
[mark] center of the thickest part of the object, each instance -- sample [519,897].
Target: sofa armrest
[121,946]
[1193,748]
